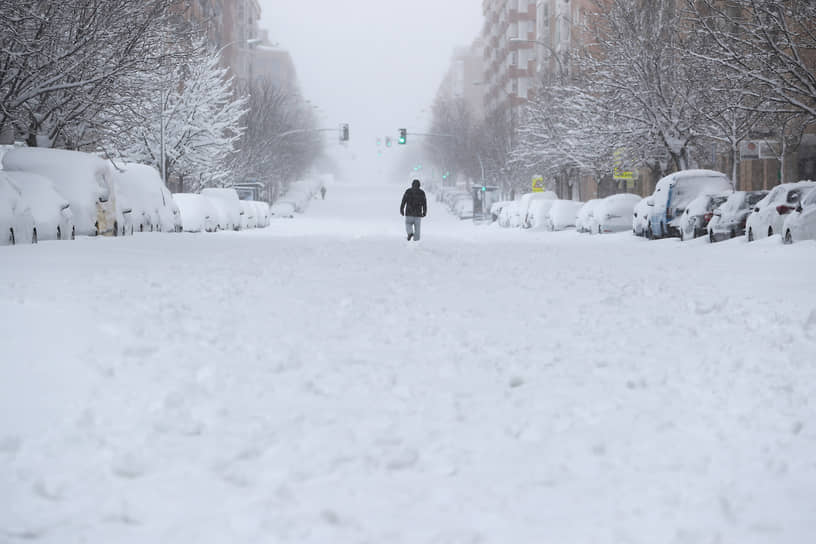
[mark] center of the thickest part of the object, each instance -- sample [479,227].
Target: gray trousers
[412,226]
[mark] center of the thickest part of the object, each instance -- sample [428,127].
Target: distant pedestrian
[414,207]
[323,192]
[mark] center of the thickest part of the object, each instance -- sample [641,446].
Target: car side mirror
[756,209]
[799,208]
[650,202]
[718,213]
[127,210]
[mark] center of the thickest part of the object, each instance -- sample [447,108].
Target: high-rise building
[464,77]
[509,52]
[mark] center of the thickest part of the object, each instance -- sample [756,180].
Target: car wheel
[733,234]
[662,231]
[11,236]
[131,230]
[116,228]
[711,236]
[770,232]
[34,239]
[96,228]
[682,235]
[59,233]
[141,227]
[788,237]
[750,235]
[649,233]
[73,233]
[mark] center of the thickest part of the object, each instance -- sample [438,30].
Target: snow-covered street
[324,381]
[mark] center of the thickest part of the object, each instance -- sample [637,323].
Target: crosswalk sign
[538,184]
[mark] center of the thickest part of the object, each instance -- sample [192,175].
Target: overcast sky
[375,64]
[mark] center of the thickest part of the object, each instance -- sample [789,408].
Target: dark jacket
[414,203]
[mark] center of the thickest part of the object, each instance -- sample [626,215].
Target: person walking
[414,207]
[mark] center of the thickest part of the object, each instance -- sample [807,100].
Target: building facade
[464,77]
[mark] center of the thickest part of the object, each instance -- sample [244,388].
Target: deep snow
[325,381]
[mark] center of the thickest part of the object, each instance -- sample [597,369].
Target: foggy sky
[375,64]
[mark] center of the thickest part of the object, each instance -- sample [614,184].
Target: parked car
[728,220]
[282,209]
[509,215]
[496,209]
[769,214]
[698,213]
[169,214]
[613,213]
[674,192]
[197,213]
[261,214]
[583,221]
[801,223]
[563,214]
[16,220]
[538,215]
[51,213]
[84,180]
[640,218]
[229,206]
[463,207]
[526,200]
[249,209]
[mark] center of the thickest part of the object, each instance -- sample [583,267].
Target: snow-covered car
[282,209]
[699,213]
[228,204]
[801,223]
[583,220]
[729,218]
[613,213]
[197,213]
[509,216]
[496,209]
[526,200]
[538,214]
[170,214]
[563,214]
[674,192]
[640,217]
[463,208]
[248,209]
[16,220]
[141,199]
[52,215]
[84,180]
[769,214]
[261,214]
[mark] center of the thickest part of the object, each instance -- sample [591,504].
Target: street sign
[619,170]
[538,184]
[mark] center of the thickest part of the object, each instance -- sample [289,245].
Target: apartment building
[464,77]
[509,54]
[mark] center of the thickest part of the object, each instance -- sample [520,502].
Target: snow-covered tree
[770,43]
[191,108]
[62,63]
[280,141]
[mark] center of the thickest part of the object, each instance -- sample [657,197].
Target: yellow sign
[538,184]
[618,172]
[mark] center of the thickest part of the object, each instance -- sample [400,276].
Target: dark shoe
[410,236]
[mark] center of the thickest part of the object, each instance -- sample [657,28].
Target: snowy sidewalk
[324,381]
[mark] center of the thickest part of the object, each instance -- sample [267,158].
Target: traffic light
[403,137]
[388,141]
[344,132]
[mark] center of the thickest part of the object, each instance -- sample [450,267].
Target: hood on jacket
[415,184]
